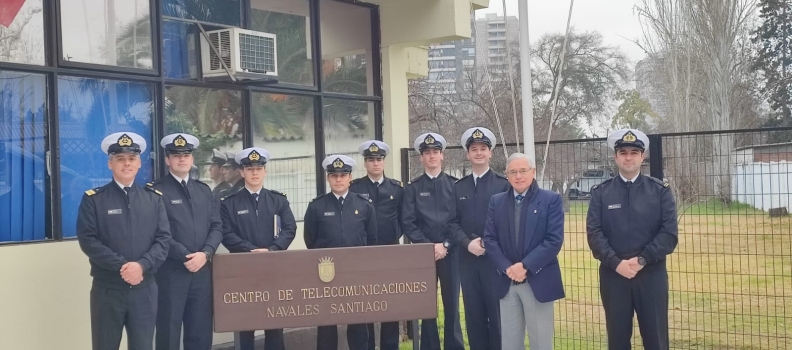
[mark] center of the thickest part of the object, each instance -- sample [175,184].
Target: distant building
[490,34]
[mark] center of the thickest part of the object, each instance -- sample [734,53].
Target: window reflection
[346,48]
[347,124]
[289,20]
[22,32]
[213,116]
[89,110]
[210,11]
[283,125]
[23,135]
[108,32]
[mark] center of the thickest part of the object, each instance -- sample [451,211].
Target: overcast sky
[615,19]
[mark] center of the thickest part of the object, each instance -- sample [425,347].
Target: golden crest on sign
[179,141]
[254,156]
[478,134]
[629,137]
[326,269]
[125,141]
[338,163]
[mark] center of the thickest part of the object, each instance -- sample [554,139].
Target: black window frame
[54,66]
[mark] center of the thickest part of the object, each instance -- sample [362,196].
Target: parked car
[591,177]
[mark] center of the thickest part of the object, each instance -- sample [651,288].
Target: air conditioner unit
[247,54]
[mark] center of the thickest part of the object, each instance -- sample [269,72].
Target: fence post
[656,156]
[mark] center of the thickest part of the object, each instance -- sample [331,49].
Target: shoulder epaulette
[232,193]
[658,181]
[153,190]
[600,184]
[319,197]
[364,197]
[277,192]
[149,184]
[452,178]
[468,175]
[414,180]
[396,182]
[93,191]
[354,181]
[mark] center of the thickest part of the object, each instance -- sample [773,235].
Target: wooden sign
[285,289]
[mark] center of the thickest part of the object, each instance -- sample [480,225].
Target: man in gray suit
[523,235]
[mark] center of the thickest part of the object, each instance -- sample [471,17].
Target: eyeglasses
[515,172]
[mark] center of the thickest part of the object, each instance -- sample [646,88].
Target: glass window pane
[109,32]
[21,31]
[179,49]
[346,48]
[214,117]
[23,135]
[211,11]
[347,124]
[289,20]
[89,110]
[283,125]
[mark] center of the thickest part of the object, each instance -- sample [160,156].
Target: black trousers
[184,298]
[482,308]
[114,309]
[273,340]
[327,337]
[646,295]
[448,274]
[389,336]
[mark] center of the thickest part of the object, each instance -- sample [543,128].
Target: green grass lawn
[730,280]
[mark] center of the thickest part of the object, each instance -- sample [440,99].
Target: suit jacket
[542,226]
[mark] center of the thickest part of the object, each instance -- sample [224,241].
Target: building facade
[491,34]
[74,71]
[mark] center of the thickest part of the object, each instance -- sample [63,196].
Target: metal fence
[731,271]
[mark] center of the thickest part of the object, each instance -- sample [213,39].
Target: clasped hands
[132,273]
[440,251]
[629,268]
[517,272]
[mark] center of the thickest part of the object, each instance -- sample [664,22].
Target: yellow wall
[44,287]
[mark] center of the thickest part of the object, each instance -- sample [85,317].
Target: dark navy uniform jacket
[194,217]
[230,189]
[248,224]
[428,208]
[629,220]
[387,199]
[327,225]
[114,229]
[472,201]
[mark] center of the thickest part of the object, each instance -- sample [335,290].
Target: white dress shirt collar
[626,179]
[179,180]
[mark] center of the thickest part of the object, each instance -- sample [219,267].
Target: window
[346,48]
[211,11]
[284,126]
[114,33]
[89,110]
[23,135]
[22,31]
[289,20]
[347,124]
[179,51]
[214,117]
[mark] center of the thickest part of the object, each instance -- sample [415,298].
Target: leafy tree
[774,58]
[634,112]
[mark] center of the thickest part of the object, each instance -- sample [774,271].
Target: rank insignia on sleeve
[90,192]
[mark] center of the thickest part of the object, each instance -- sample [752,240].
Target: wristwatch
[446,244]
[641,261]
[481,242]
[208,255]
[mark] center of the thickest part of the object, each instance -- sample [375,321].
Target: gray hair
[517,155]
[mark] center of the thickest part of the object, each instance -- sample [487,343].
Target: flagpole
[525,78]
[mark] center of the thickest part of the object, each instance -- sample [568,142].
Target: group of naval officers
[150,247]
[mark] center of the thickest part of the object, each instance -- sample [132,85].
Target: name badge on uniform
[614,206]
[114,212]
[176,201]
[364,194]
[463,198]
[329,213]
[242,212]
[424,194]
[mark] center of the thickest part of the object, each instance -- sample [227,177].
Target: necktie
[341,201]
[184,185]
[476,180]
[377,184]
[519,198]
[126,189]
[255,196]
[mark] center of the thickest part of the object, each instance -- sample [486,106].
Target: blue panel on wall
[179,49]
